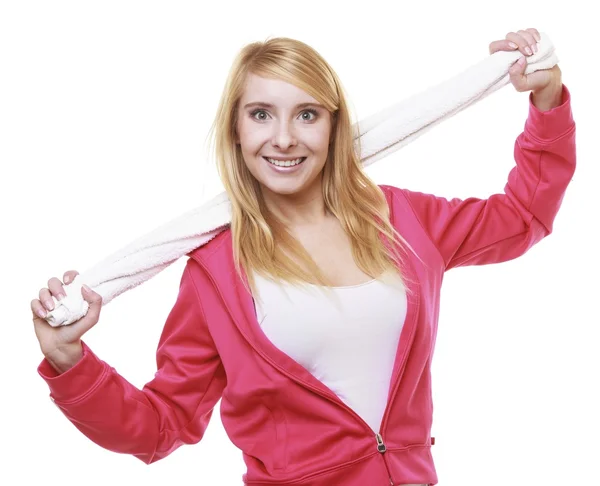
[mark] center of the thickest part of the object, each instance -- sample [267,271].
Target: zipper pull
[381,448]
[380,445]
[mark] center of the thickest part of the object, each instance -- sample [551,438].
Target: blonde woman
[313,317]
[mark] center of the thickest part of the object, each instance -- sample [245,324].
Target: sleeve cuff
[552,124]
[77,381]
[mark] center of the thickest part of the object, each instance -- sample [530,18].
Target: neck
[306,208]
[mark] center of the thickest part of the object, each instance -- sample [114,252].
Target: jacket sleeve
[482,231]
[171,410]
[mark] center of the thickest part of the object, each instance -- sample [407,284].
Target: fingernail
[521,60]
[41,313]
[86,288]
[528,50]
[67,279]
[49,304]
[513,45]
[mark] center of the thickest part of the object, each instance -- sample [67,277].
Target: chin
[283,188]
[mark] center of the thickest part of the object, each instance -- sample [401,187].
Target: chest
[331,249]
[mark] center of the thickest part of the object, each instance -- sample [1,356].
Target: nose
[283,136]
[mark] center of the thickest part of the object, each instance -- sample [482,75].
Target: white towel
[379,135]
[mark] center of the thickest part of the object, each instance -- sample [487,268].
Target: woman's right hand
[61,345]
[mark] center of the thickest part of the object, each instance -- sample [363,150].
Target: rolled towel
[376,136]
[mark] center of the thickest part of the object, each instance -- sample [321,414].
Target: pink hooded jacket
[291,428]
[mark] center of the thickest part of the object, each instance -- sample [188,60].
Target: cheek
[251,139]
[250,145]
[318,138]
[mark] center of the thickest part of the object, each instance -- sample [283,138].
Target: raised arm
[171,410]
[504,226]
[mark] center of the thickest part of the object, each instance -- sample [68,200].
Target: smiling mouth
[285,163]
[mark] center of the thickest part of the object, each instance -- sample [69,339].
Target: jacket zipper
[381,447]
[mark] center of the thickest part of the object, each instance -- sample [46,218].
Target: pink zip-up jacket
[291,428]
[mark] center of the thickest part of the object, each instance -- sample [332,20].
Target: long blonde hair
[260,241]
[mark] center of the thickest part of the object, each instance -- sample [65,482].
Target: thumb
[517,74]
[94,300]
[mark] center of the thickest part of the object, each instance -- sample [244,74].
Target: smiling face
[284,136]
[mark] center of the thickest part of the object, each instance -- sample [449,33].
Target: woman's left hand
[543,80]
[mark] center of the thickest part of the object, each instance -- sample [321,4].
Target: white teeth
[285,163]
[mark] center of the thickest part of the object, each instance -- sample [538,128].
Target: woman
[316,388]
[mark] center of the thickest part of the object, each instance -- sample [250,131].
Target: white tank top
[347,339]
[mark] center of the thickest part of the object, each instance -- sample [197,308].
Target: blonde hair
[260,241]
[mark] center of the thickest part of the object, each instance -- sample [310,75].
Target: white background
[104,112]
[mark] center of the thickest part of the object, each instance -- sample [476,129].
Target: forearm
[107,408]
[66,357]
[549,97]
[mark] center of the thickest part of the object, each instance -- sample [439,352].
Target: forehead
[273,91]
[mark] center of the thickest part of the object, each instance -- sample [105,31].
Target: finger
[521,42]
[69,276]
[517,74]
[56,288]
[38,310]
[46,299]
[536,34]
[531,41]
[502,45]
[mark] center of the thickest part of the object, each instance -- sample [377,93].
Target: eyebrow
[269,105]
